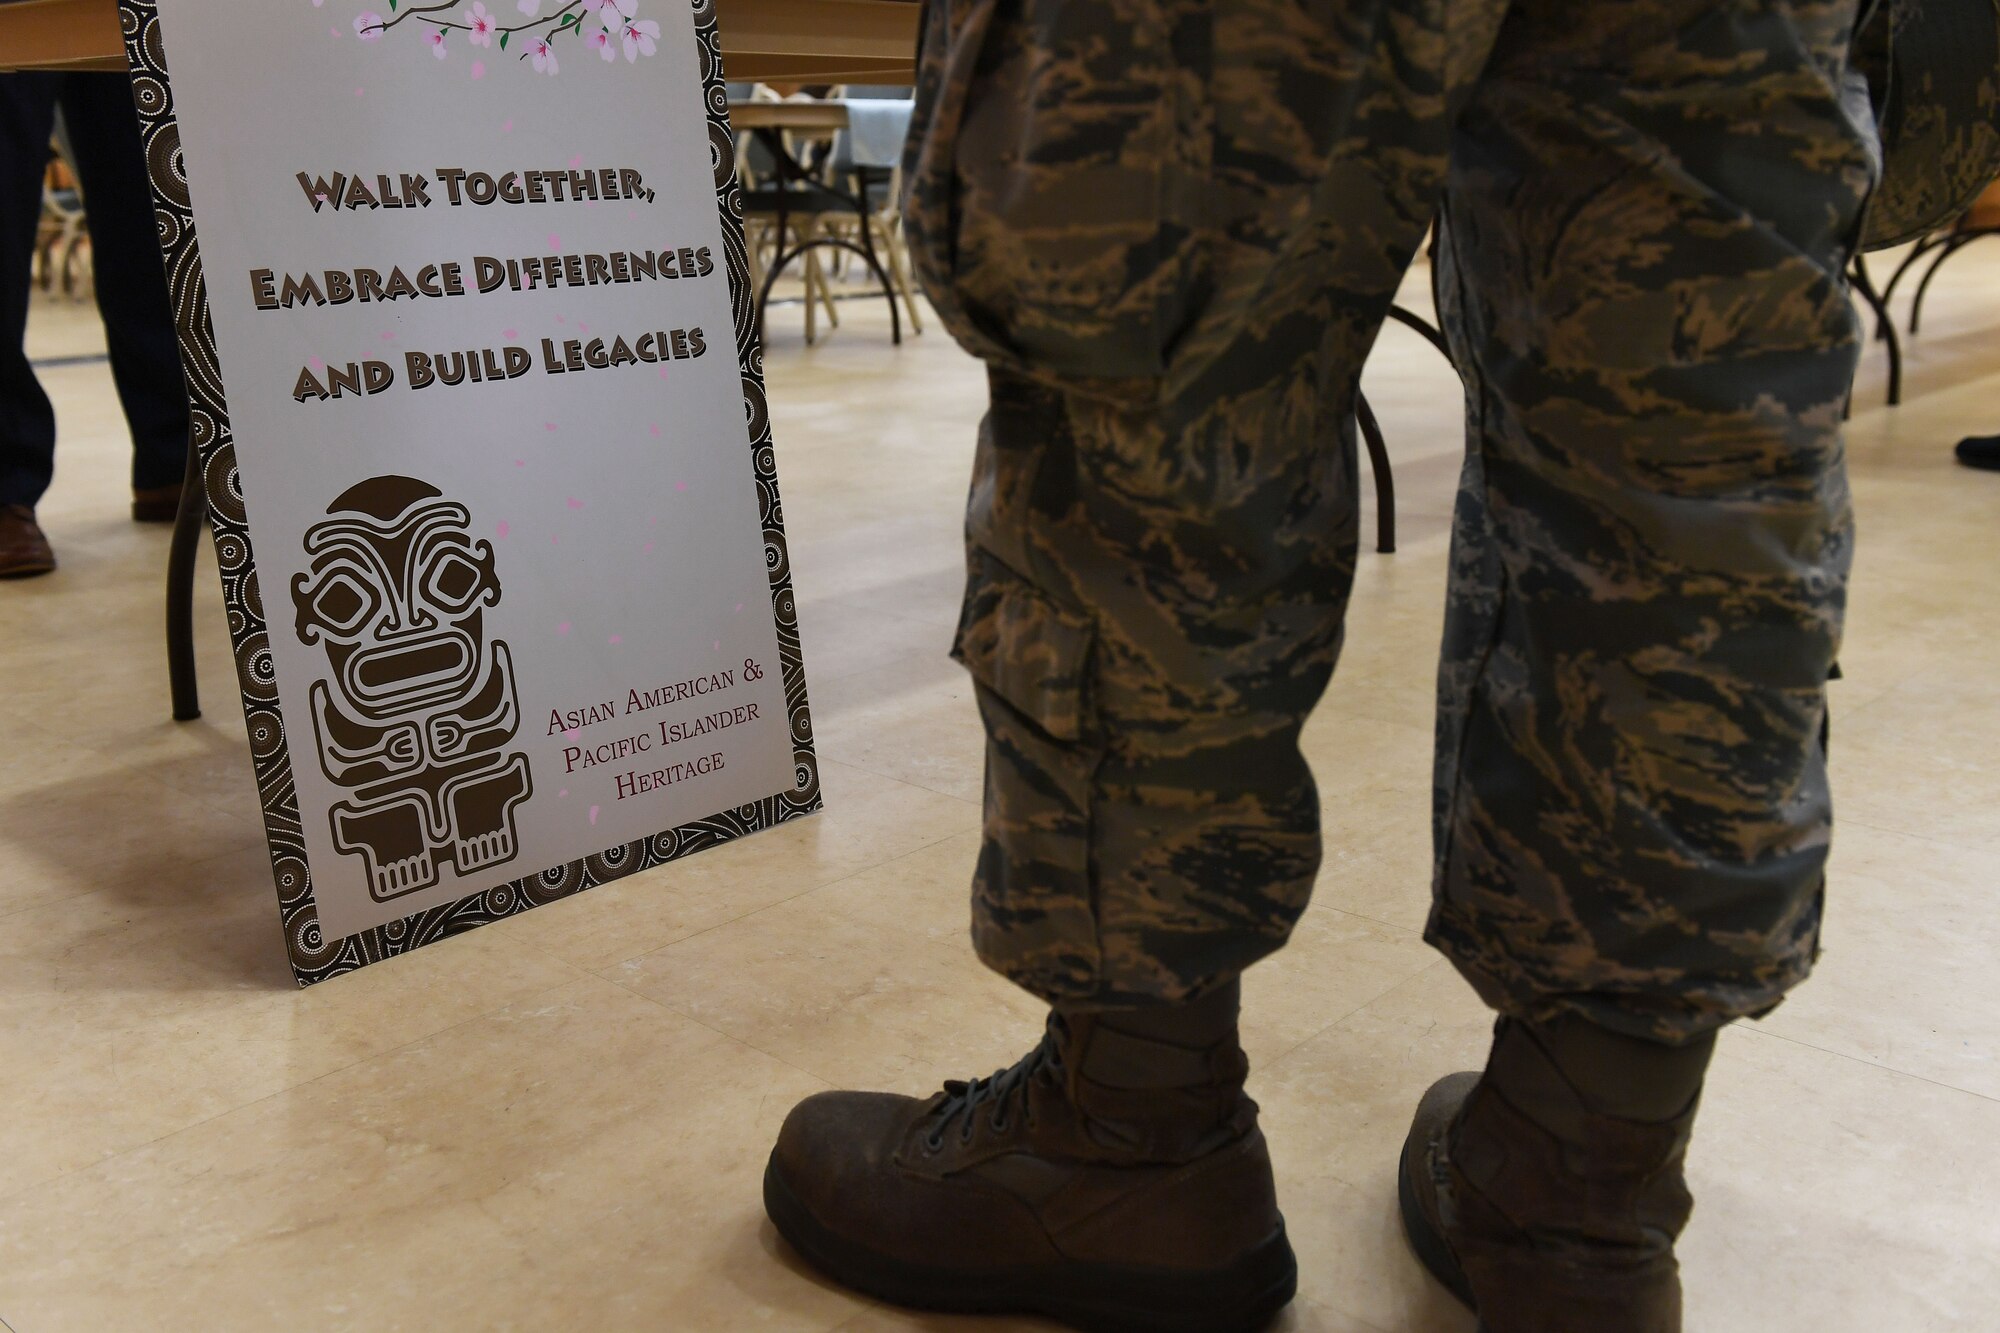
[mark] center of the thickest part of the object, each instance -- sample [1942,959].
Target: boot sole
[1098,1298]
[1432,1249]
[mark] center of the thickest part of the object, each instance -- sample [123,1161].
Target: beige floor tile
[83,820]
[867,819]
[914,721]
[1375,859]
[927,893]
[1299,1317]
[1924,758]
[133,1012]
[586,1159]
[1334,964]
[849,1001]
[1834,1194]
[1336,1109]
[1907,979]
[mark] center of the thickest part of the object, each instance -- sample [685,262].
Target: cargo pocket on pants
[1022,646]
[1034,916]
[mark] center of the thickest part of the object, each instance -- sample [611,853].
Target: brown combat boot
[24,551]
[1547,1192]
[1114,1179]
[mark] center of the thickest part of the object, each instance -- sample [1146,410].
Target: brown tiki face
[420,706]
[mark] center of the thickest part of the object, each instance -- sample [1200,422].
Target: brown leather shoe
[1110,1180]
[24,550]
[156,504]
[1538,1210]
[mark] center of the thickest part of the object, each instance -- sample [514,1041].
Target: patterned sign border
[313,957]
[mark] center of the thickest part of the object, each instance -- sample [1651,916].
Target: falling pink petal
[576,162]
[563,628]
[573,502]
[680,485]
[630,212]
[739,606]
[479,69]
[593,815]
[510,334]
[318,364]
[616,639]
[555,241]
[582,327]
[507,125]
[548,425]
[554,540]
[647,549]
[654,427]
[358,92]
[501,529]
[718,645]
[561,320]
[653,522]
[334,31]
[563,792]
[387,336]
[569,733]
[663,372]
[520,462]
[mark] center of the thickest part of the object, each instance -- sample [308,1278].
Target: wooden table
[788,41]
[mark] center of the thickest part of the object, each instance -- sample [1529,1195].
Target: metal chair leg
[1886,327]
[1958,242]
[180,592]
[1385,481]
[1917,251]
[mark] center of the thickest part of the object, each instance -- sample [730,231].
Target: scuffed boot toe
[1421,1180]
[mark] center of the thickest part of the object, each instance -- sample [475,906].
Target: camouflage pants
[1172,228]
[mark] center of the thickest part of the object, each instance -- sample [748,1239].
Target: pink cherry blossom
[603,44]
[613,14]
[640,38]
[530,7]
[481,24]
[544,59]
[436,38]
[368,26]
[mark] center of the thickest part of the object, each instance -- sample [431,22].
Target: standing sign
[492,482]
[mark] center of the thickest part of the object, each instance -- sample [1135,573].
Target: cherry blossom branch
[419,12]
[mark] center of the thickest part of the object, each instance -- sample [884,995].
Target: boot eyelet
[997,1125]
[933,1144]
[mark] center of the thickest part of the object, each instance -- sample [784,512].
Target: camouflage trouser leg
[1649,212]
[1172,228]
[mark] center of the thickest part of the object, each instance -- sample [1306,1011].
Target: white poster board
[483,435]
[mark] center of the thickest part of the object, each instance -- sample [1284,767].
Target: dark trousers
[131,277]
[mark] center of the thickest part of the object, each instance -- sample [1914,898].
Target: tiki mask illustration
[416,720]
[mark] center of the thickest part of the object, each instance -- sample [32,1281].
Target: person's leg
[1169,233]
[1649,212]
[27,421]
[131,280]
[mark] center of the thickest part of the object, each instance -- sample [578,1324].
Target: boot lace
[1002,1094]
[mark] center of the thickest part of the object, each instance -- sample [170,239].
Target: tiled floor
[559,1122]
